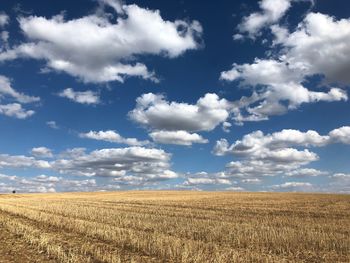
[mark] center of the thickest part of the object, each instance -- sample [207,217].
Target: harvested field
[171,226]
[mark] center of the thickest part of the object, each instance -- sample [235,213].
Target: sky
[106,95]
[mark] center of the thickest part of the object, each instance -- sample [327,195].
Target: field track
[175,226]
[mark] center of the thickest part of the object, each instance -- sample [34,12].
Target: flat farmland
[175,226]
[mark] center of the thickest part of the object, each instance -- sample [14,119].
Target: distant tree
[14,191]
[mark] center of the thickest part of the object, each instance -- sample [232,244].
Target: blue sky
[236,95]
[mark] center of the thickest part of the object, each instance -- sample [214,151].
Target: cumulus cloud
[271,12]
[47,179]
[318,46]
[306,172]
[48,184]
[341,135]
[83,97]
[42,152]
[177,137]
[113,165]
[148,163]
[4,19]
[154,111]
[277,87]
[256,143]
[176,122]
[293,186]
[100,48]
[206,181]
[14,109]
[112,136]
[21,161]
[273,154]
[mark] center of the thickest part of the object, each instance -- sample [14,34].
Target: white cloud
[47,179]
[341,135]
[83,97]
[4,37]
[175,122]
[14,109]
[150,166]
[273,154]
[226,126]
[256,143]
[52,125]
[277,87]
[294,186]
[4,19]
[7,90]
[318,46]
[100,48]
[251,181]
[306,172]
[112,136]
[206,181]
[157,113]
[148,163]
[271,12]
[341,176]
[177,137]
[21,161]
[42,152]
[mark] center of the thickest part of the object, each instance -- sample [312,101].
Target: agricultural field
[174,226]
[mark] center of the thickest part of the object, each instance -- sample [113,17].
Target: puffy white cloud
[49,184]
[271,12]
[42,152]
[293,186]
[206,181]
[256,143]
[156,112]
[100,48]
[148,163]
[177,137]
[47,179]
[83,97]
[21,161]
[4,19]
[226,126]
[277,88]
[176,122]
[112,136]
[318,46]
[14,109]
[115,166]
[273,154]
[341,135]
[305,172]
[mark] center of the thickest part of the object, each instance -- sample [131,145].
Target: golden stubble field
[179,226]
